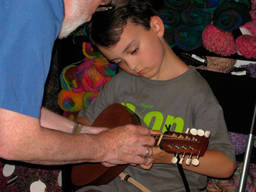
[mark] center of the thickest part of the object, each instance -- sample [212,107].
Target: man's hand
[126,145]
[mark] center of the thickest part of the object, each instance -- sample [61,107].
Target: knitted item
[253,10]
[89,52]
[218,64]
[70,101]
[251,27]
[218,41]
[171,18]
[193,15]
[91,79]
[82,83]
[230,15]
[69,79]
[231,185]
[88,97]
[246,45]
[177,4]
[188,37]
[239,141]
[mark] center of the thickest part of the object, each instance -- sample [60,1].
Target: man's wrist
[77,128]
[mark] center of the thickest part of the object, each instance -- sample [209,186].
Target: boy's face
[139,51]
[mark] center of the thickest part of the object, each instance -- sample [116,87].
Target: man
[33,134]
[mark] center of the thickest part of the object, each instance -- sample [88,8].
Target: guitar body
[95,173]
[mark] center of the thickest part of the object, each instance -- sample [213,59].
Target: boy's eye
[134,51]
[116,61]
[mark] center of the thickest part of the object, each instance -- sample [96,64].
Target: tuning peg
[200,132]
[207,134]
[188,161]
[195,161]
[193,131]
[175,159]
[182,158]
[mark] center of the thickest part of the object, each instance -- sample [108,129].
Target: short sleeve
[27,35]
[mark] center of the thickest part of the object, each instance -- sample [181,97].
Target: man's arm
[57,122]
[22,138]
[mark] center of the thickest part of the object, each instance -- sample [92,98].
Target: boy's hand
[158,156]
[155,158]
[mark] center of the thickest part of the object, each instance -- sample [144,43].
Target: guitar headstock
[193,143]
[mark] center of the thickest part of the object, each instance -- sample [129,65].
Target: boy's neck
[173,66]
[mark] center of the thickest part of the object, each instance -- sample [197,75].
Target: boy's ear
[157,25]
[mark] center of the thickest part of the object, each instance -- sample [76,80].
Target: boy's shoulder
[122,75]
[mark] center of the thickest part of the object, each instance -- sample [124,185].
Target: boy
[162,90]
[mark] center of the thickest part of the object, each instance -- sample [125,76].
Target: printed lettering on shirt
[156,119]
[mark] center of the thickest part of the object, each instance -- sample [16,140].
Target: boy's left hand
[158,156]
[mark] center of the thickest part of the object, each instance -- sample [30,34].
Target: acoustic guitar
[192,143]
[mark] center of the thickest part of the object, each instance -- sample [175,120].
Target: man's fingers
[154,132]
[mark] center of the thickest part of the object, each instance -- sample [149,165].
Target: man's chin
[68,28]
[65,33]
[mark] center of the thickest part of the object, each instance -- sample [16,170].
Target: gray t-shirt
[183,102]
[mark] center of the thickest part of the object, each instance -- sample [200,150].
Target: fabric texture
[28,31]
[183,102]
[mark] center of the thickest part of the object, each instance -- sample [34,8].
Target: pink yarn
[253,10]
[251,26]
[218,41]
[246,45]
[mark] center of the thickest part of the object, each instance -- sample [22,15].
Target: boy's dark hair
[105,28]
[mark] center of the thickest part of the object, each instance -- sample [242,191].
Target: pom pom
[89,52]
[253,9]
[88,98]
[217,41]
[69,79]
[251,27]
[246,45]
[70,101]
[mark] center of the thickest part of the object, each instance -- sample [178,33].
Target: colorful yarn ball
[88,98]
[218,41]
[92,80]
[246,45]
[89,51]
[104,67]
[70,101]
[69,79]
[188,37]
